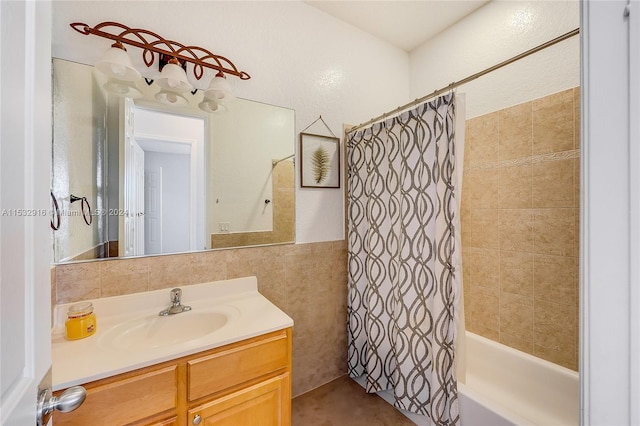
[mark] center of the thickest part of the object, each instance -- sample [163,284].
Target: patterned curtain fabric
[403,260]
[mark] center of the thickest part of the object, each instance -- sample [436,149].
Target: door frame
[198,232]
[610,213]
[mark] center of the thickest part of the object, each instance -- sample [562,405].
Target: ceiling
[404,24]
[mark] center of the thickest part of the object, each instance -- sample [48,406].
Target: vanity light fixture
[219,89]
[116,63]
[173,78]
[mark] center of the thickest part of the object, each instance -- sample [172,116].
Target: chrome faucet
[176,306]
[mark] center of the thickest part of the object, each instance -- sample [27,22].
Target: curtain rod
[468,79]
[275,162]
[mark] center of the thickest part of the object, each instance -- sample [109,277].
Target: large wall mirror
[133,176]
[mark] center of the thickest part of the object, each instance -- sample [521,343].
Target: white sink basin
[131,335]
[155,331]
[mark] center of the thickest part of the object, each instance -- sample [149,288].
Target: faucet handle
[176,306]
[176,295]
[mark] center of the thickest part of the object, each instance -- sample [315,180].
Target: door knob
[69,400]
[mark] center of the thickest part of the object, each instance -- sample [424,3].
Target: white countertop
[80,361]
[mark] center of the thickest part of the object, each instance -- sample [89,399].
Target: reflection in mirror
[164,178]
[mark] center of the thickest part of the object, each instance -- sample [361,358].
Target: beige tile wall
[307,281]
[520,226]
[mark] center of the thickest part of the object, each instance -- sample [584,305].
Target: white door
[25,234]
[153,210]
[131,185]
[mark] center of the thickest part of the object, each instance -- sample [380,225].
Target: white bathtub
[515,387]
[504,386]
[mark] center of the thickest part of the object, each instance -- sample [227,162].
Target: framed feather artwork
[319,161]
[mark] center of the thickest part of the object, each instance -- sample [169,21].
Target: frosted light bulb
[118,69]
[172,77]
[115,62]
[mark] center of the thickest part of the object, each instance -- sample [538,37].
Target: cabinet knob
[197,419]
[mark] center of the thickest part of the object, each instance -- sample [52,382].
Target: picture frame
[319,161]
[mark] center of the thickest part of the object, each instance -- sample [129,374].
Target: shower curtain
[404,258]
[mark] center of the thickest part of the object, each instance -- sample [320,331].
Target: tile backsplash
[307,281]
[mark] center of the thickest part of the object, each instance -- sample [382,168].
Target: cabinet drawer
[233,366]
[125,401]
[168,422]
[264,404]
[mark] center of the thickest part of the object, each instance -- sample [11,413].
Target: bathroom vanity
[227,361]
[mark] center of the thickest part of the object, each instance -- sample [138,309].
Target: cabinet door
[267,403]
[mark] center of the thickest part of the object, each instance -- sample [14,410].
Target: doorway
[172,202]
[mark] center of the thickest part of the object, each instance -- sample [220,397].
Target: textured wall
[78,132]
[520,226]
[307,281]
[494,33]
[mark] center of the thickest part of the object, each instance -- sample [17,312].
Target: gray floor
[343,402]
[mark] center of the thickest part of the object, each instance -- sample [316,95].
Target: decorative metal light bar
[151,43]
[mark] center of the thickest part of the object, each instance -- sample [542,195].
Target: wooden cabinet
[245,383]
